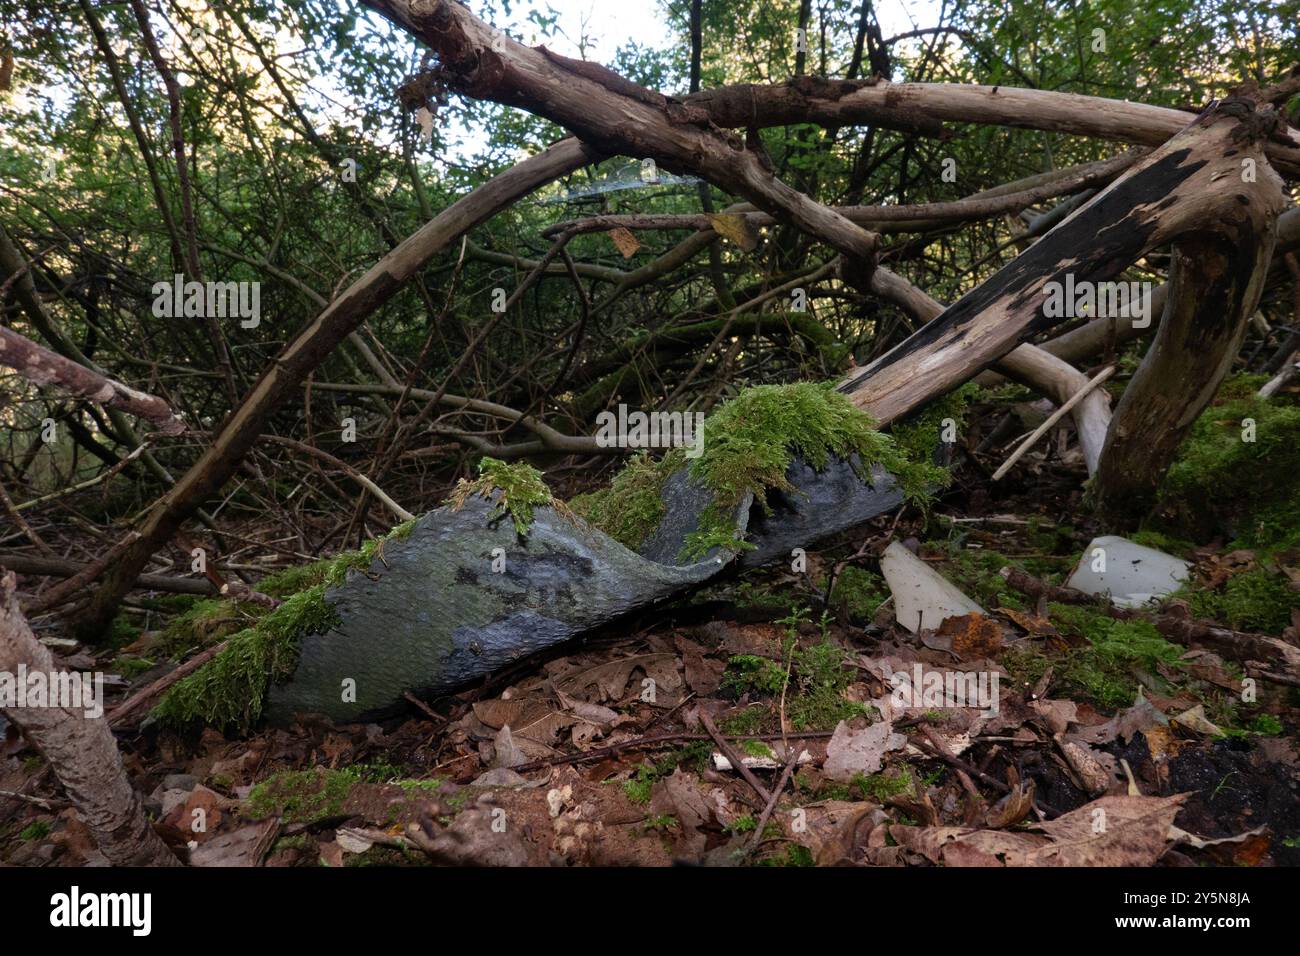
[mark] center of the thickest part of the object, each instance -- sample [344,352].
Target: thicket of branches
[281,143]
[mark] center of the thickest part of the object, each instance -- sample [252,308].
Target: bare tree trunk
[81,751]
[1214,288]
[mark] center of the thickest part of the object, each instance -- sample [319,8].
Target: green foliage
[1104,668]
[38,830]
[631,507]
[749,720]
[749,672]
[919,436]
[750,441]
[976,571]
[1256,600]
[519,489]
[310,796]
[640,785]
[881,786]
[859,593]
[230,690]
[796,854]
[1222,484]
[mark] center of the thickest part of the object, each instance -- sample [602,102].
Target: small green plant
[743,824]
[1255,600]
[859,593]
[38,830]
[882,786]
[795,855]
[310,796]
[747,672]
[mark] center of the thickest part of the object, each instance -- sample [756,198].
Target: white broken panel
[721,763]
[1132,574]
[923,598]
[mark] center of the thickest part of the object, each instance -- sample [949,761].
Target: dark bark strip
[1190,183]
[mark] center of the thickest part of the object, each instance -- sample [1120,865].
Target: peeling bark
[44,368]
[1179,190]
[81,751]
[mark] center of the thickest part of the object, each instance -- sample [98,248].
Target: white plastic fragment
[1132,574]
[721,763]
[923,597]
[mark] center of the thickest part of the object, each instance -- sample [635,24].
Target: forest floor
[1109,745]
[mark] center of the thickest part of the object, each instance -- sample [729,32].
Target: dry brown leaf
[735,228]
[972,635]
[852,752]
[625,241]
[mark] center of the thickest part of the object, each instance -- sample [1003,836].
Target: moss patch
[520,488]
[1105,668]
[750,441]
[859,593]
[309,796]
[1223,484]
[631,507]
[231,689]
[1258,600]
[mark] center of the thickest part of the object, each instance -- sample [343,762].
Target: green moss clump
[821,679]
[309,796]
[1257,600]
[35,831]
[204,622]
[631,507]
[796,854]
[881,786]
[1221,484]
[920,435]
[750,720]
[750,441]
[520,487]
[640,785]
[231,689]
[1104,669]
[749,672]
[859,593]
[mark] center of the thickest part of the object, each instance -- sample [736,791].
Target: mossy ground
[310,796]
[1247,491]
[811,676]
[1106,668]
[858,593]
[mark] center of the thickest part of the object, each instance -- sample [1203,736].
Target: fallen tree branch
[1052,419]
[64,568]
[45,369]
